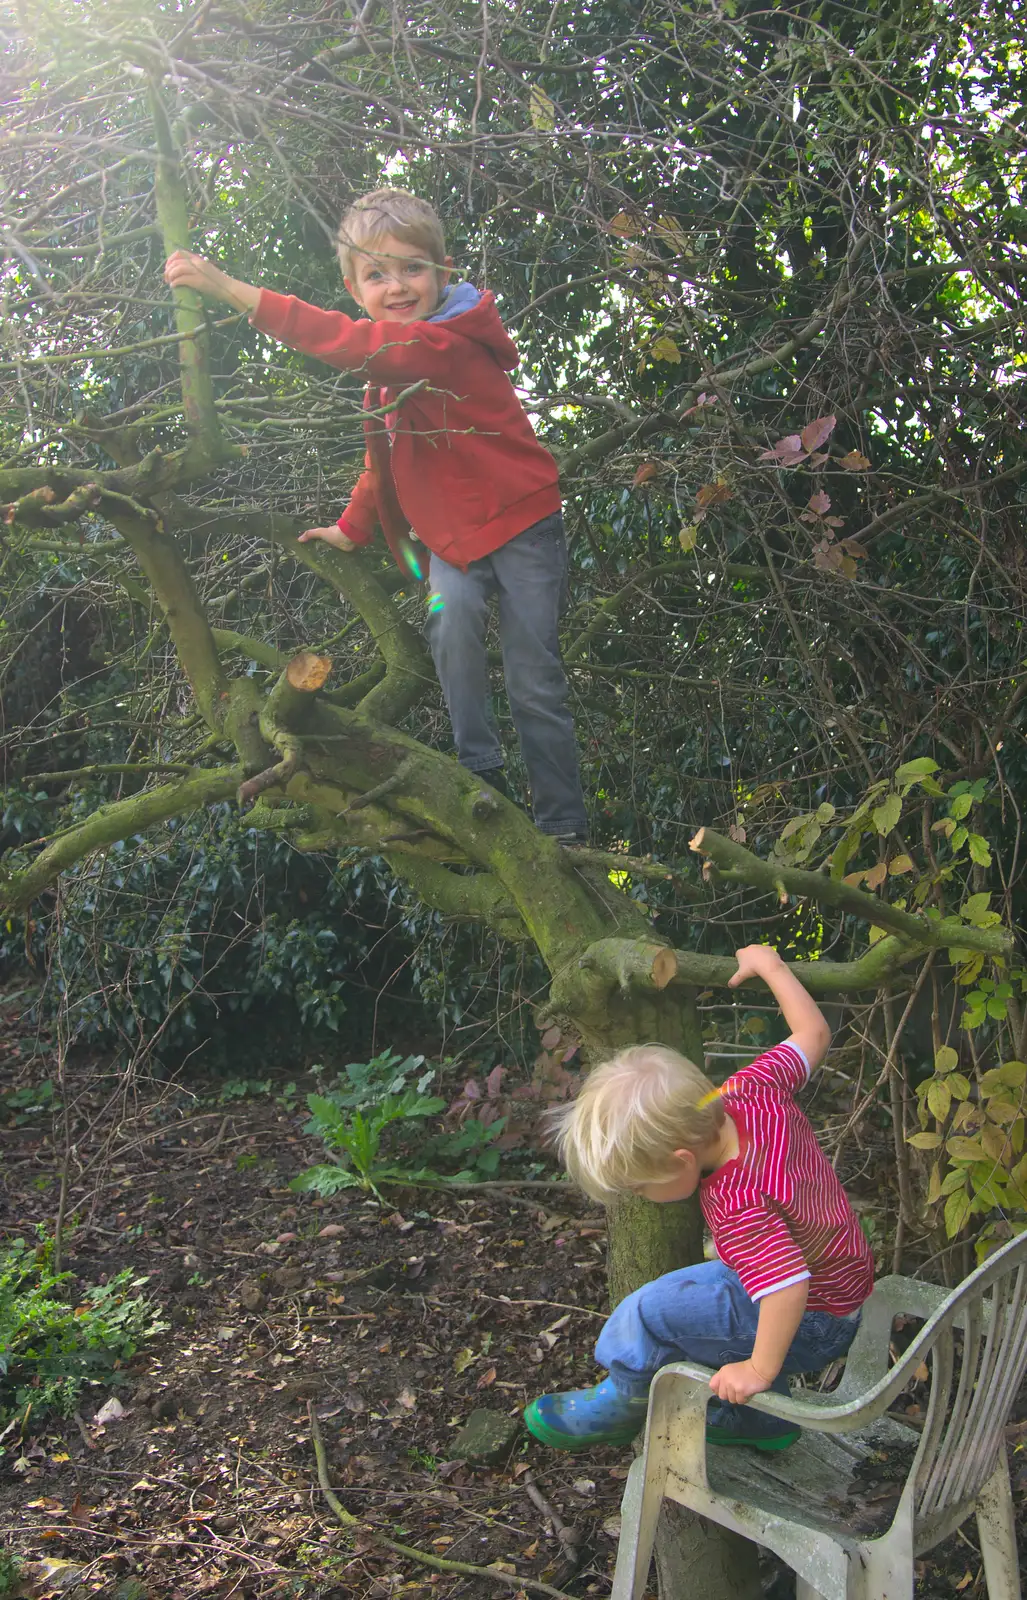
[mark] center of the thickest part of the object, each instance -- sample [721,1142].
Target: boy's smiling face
[396,283]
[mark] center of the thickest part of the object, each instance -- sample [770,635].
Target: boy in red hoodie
[457,462]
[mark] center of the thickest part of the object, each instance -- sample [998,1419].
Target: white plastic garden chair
[802,1502]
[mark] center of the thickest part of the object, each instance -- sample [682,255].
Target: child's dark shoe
[741,1425]
[583,1418]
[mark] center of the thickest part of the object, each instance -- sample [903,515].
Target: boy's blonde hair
[629,1117]
[374,216]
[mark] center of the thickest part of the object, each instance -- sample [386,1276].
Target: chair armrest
[867,1361]
[909,1297]
[828,1414]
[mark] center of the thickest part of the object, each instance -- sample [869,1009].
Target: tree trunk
[694,1557]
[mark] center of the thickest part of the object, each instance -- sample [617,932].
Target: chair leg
[640,1512]
[996,1525]
[883,1570]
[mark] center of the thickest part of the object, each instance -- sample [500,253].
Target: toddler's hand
[333,535]
[754,961]
[738,1382]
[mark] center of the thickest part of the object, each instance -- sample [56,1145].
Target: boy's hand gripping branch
[183,270]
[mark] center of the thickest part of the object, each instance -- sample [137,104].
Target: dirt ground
[392,1322]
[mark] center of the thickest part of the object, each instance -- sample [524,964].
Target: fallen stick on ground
[465,1568]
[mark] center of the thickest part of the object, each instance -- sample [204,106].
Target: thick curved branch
[162,561]
[408,669]
[108,823]
[154,474]
[737,865]
[464,896]
[626,965]
[226,640]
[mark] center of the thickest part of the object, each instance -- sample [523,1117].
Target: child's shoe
[583,1418]
[496,779]
[734,1425]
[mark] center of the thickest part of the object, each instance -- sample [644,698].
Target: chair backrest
[972,1388]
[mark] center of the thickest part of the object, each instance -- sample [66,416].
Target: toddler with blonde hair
[793,1265]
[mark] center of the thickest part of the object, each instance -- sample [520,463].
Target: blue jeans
[703,1314]
[528,576]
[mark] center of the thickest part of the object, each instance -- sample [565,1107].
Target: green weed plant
[388,1092]
[49,1348]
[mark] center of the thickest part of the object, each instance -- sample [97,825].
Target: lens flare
[412,562]
[436,603]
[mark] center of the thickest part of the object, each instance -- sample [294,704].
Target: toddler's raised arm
[806,1021]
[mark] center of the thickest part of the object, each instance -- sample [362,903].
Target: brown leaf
[713,494]
[407,1399]
[486,1378]
[80,1513]
[646,472]
[814,433]
[551,1038]
[622,225]
[820,502]
[854,462]
[876,875]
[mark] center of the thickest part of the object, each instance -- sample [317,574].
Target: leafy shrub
[169,942]
[369,1097]
[50,1349]
[10,1573]
[208,933]
[387,1092]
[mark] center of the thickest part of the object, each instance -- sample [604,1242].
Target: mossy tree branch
[734,864]
[408,669]
[162,561]
[116,821]
[173,219]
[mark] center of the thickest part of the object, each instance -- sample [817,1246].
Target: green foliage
[170,939]
[389,1093]
[384,1076]
[357,1139]
[48,1348]
[10,1569]
[35,1100]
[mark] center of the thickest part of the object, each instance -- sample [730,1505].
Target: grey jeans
[528,576]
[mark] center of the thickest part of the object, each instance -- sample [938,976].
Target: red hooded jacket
[463,468]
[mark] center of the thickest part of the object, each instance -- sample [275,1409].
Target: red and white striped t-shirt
[777,1211]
